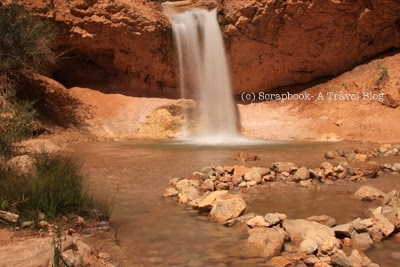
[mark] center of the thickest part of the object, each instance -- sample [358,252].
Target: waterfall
[204,73]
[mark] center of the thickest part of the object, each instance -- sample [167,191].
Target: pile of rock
[212,178]
[393,168]
[363,154]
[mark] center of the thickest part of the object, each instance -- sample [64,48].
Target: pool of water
[153,231]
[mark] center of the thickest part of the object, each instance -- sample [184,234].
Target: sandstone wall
[270,43]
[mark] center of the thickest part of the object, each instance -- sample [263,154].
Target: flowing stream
[153,231]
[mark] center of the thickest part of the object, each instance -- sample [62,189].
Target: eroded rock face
[281,42]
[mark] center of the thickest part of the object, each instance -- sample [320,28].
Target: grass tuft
[57,188]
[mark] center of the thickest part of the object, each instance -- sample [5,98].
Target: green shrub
[16,123]
[25,41]
[57,188]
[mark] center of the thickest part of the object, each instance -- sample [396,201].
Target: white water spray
[203,70]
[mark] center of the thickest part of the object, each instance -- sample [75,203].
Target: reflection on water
[154,231]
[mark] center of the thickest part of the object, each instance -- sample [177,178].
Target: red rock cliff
[127,46]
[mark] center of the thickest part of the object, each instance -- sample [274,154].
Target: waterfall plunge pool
[153,231]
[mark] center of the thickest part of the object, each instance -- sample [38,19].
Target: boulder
[24,164]
[330,155]
[391,198]
[361,158]
[362,226]
[171,192]
[268,241]
[385,148]
[246,156]
[209,201]
[240,170]
[279,261]
[369,193]
[300,230]
[368,169]
[240,219]
[283,167]
[222,186]
[340,259]
[381,222]
[308,246]
[188,194]
[323,219]
[237,179]
[39,252]
[362,241]
[301,174]
[224,210]
[395,167]
[252,176]
[274,218]
[343,230]
[257,221]
[208,185]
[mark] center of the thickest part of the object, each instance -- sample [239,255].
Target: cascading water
[204,71]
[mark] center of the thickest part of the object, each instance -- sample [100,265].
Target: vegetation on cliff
[25,48]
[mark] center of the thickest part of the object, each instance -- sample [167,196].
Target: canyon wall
[127,46]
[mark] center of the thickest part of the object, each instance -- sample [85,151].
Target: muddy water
[153,231]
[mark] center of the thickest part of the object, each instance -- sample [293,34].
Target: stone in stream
[208,185]
[279,261]
[385,148]
[171,192]
[209,201]
[361,158]
[343,230]
[362,241]
[224,210]
[268,241]
[188,194]
[369,193]
[381,222]
[222,186]
[330,155]
[240,170]
[300,229]
[274,218]
[369,169]
[391,198]
[236,179]
[257,221]
[173,181]
[255,174]
[241,219]
[395,167]
[283,167]
[340,259]
[246,156]
[361,226]
[323,219]
[301,174]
